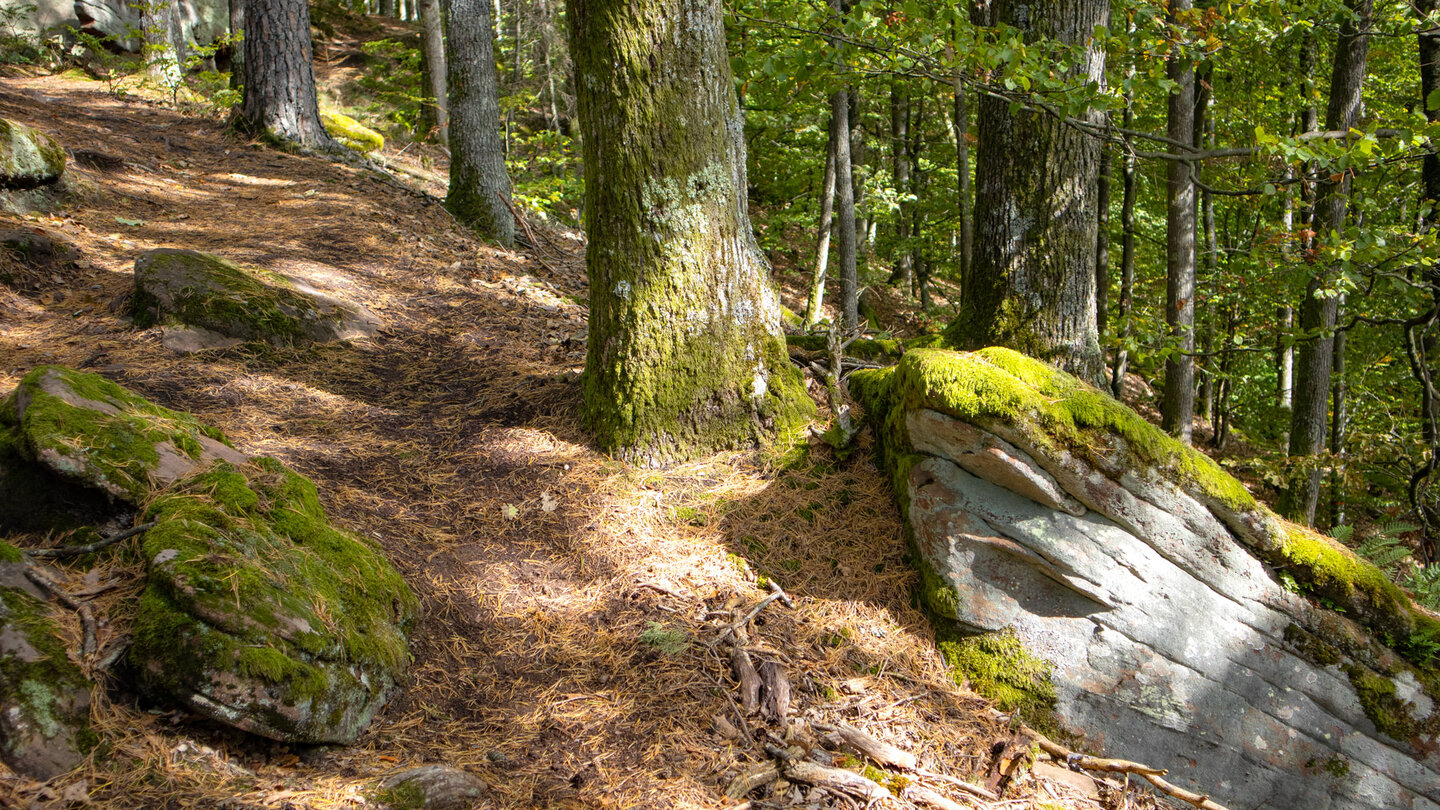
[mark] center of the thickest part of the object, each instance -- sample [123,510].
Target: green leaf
[134,223]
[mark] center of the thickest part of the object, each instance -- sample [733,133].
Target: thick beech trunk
[1317,310]
[685,349]
[1177,410]
[822,248]
[1033,282]
[432,33]
[280,77]
[479,184]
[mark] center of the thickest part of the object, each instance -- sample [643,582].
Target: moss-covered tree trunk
[479,184]
[1032,285]
[685,351]
[280,77]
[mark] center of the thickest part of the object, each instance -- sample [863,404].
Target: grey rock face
[44,697]
[216,299]
[1172,644]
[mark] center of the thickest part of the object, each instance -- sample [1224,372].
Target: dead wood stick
[777,692]
[1152,775]
[87,618]
[757,777]
[974,790]
[749,679]
[1202,802]
[919,794]
[836,780]
[882,752]
[75,551]
[755,611]
[530,235]
[113,651]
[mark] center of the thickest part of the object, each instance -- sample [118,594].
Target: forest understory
[572,606]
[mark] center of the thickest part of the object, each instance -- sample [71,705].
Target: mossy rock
[352,133]
[28,158]
[44,697]
[96,434]
[430,787]
[260,614]
[192,289]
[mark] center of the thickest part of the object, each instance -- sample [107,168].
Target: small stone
[431,787]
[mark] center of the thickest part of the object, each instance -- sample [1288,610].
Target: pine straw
[453,440]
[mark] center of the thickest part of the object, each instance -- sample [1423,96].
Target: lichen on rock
[44,696]
[260,614]
[28,158]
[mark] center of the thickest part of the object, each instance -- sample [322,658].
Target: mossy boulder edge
[216,297]
[260,614]
[1147,579]
[44,696]
[28,158]
[88,430]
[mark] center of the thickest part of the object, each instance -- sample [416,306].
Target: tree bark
[963,209]
[904,272]
[845,246]
[1339,424]
[280,77]
[164,48]
[822,247]
[237,44]
[1318,309]
[1033,282]
[1285,365]
[1177,410]
[1127,259]
[1102,247]
[479,193]
[685,350]
[387,8]
[1419,331]
[432,40]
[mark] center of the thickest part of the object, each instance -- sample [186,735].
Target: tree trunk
[1033,280]
[432,40]
[1102,247]
[1338,427]
[845,226]
[962,174]
[164,48]
[919,259]
[479,184]
[237,44]
[280,77]
[685,349]
[1285,365]
[1419,335]
[1317,311]
[822,248]
[904,272]
[387,8]
[1127,259]
[1178,407]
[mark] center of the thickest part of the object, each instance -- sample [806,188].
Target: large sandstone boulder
[28,158]
[44,696]
[1166,614]
[91,432]
[217,299]
[261,614]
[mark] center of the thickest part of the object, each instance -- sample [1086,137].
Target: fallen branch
[87,618]
[757,777]
[776,594]
[974,790]
[882,752]
[837,780]
[919,794]
[76,551]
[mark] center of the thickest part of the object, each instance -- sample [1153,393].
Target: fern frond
[1343,533]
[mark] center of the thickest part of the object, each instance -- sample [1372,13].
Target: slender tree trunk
[1338,427]
[822,248]
[387,8]
[1178,408]
[1127,259]
[919,258]
[432,31]
[685,352]
[280,79]
[479,184]
[1102,247]
[845,226]
[1033,279]
[903,272]
[1285,366]
[237,44]
[963,211]
[164,48]
[1318,311]
[1420,343]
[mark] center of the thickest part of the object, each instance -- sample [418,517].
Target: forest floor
[453,439]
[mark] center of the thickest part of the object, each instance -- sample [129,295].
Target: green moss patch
[249,582]
[1000,668]
[88,429]
[352,133]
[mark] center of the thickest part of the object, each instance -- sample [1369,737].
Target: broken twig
[75,551]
